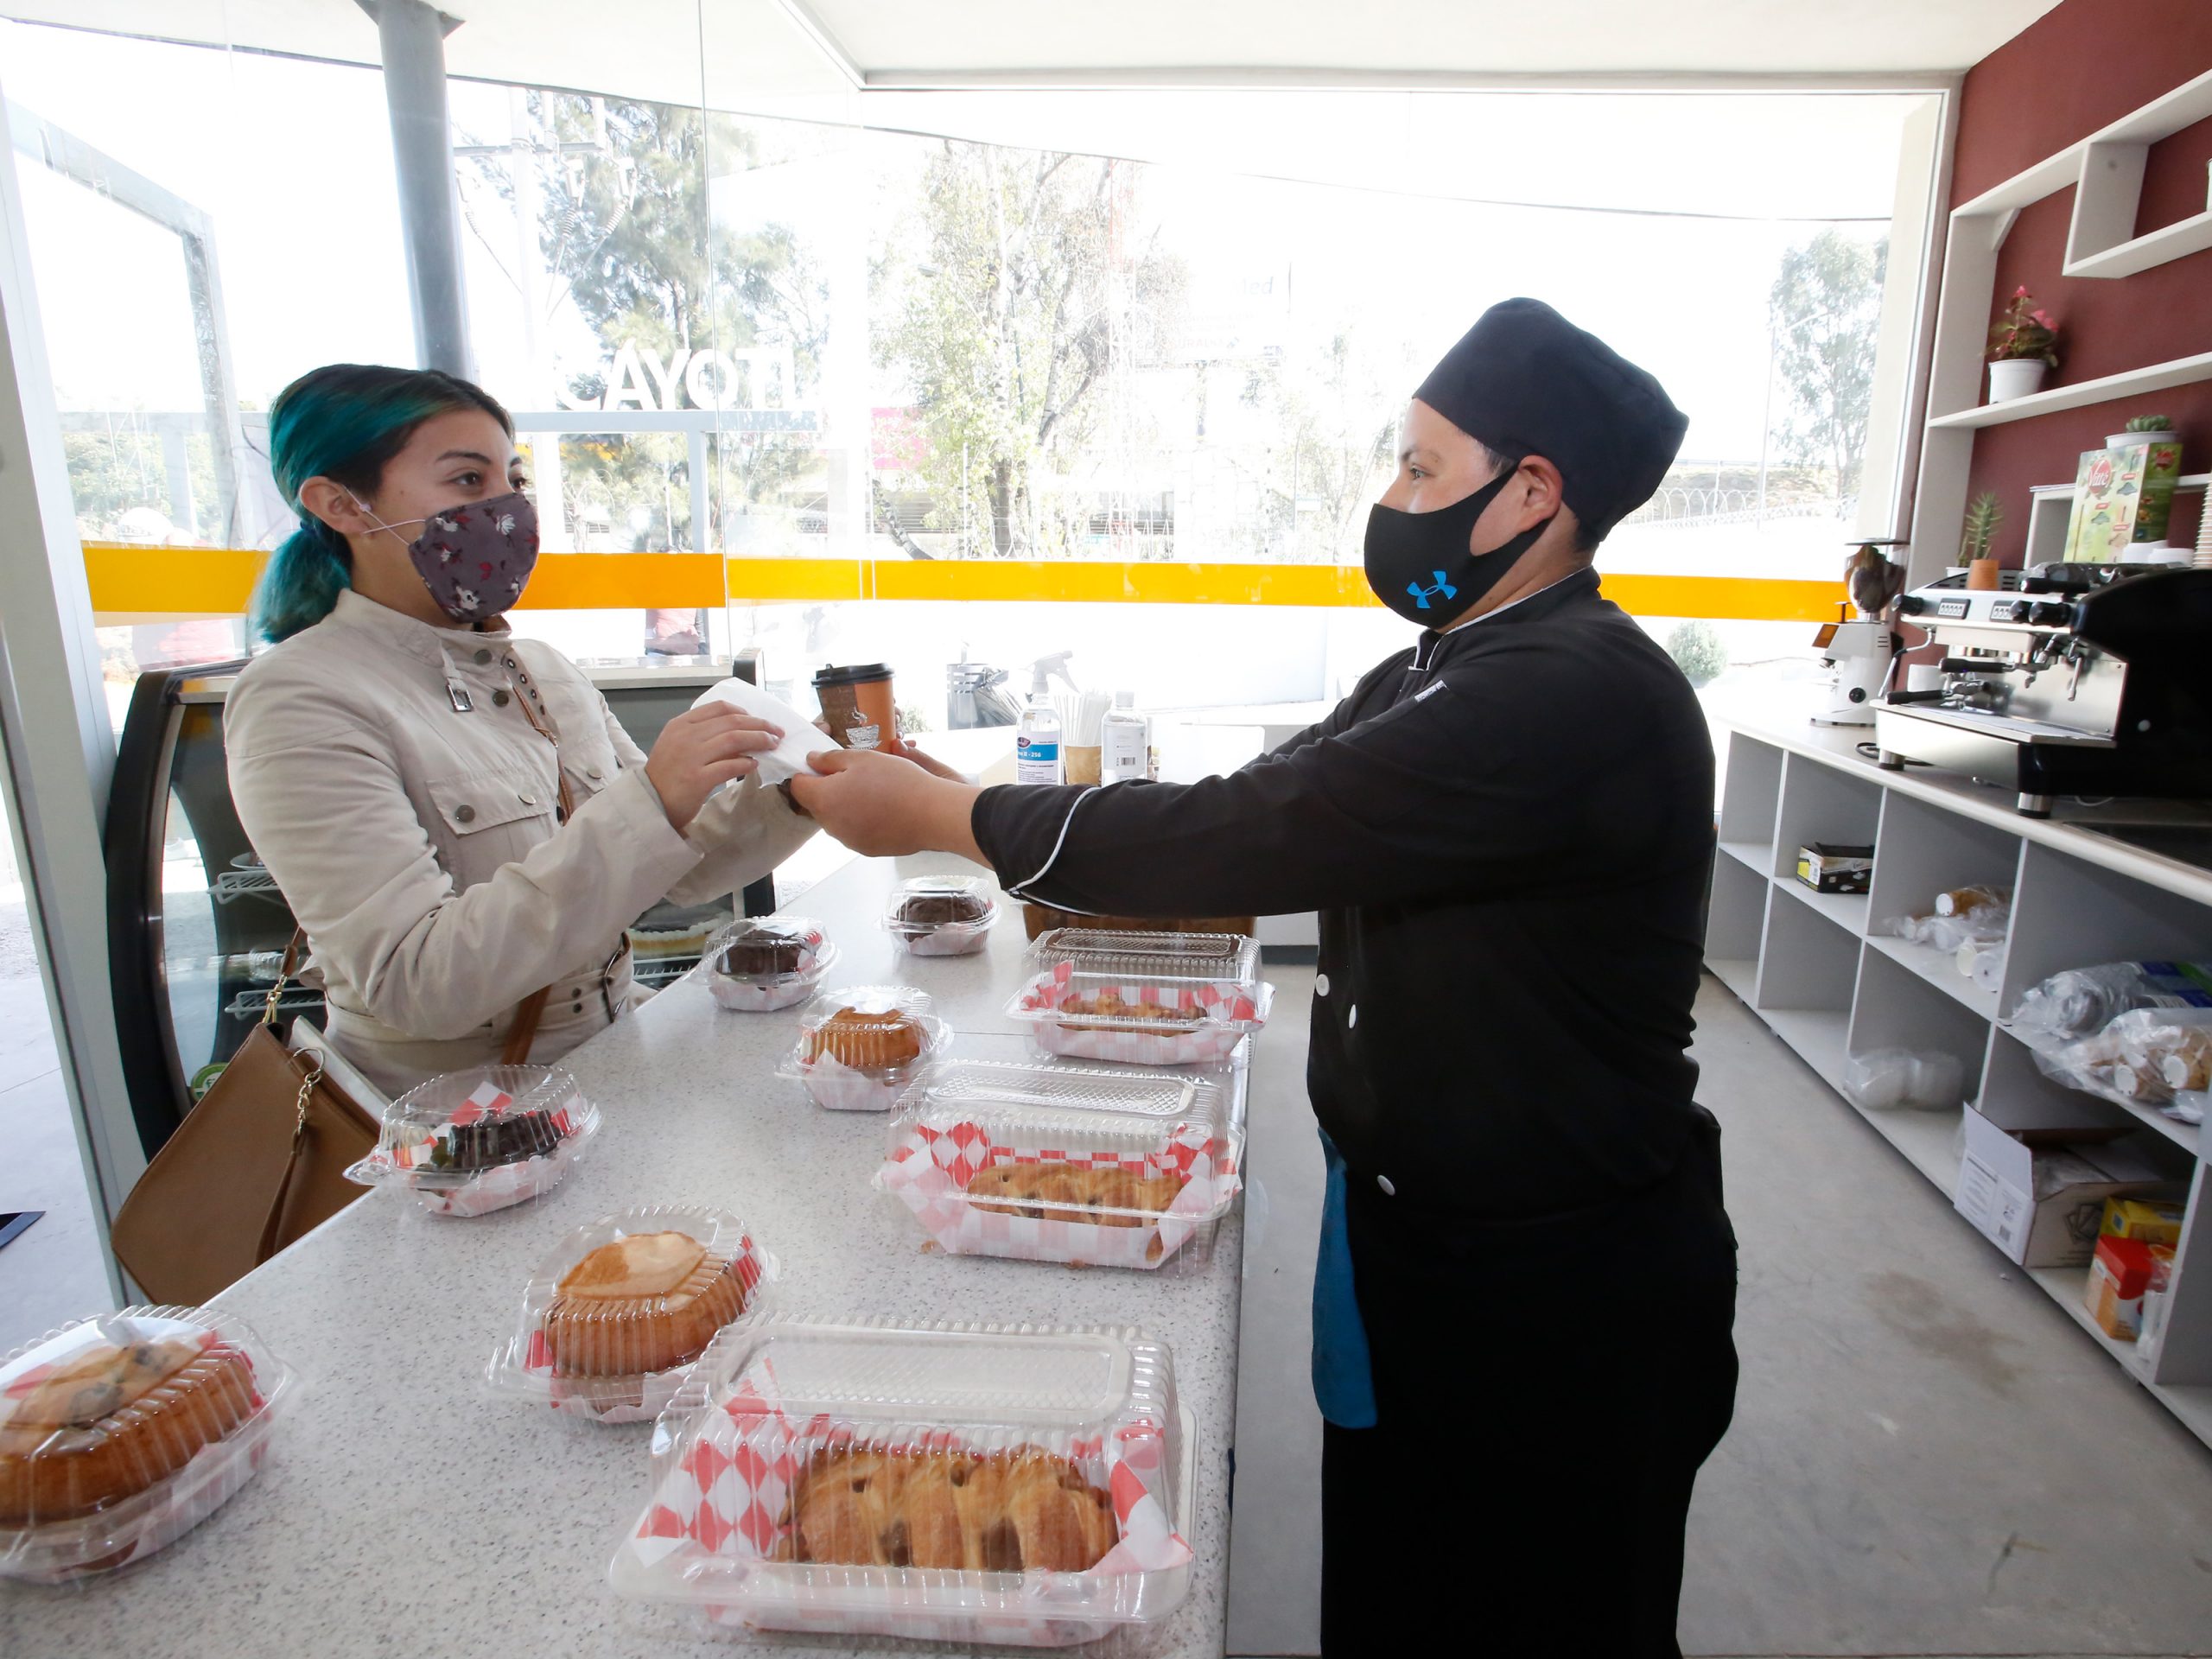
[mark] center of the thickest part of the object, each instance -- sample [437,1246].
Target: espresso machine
[2072,679]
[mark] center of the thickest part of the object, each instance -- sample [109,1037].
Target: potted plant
[2022,344]
[1984,514]
[2144,428]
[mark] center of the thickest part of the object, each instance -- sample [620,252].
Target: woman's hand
[700,751]
[882,805]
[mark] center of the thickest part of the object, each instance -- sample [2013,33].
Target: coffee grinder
[1863,653]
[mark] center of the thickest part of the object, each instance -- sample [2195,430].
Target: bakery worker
[1526,1278]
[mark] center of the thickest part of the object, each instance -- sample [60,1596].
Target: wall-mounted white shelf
[2157,376]
[1830,980]
[2105,171]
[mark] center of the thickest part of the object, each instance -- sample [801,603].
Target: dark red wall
[2083,65]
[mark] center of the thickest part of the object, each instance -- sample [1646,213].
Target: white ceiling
[731,51]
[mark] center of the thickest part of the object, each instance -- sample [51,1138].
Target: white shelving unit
[2106,172]
[1826,975]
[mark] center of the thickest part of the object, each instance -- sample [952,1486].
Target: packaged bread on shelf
[471,1141]
[966,1484]
[120,1434]
[619,1309]
[859,1047]
[765,962]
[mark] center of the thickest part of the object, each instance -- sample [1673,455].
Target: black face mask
[1418,563]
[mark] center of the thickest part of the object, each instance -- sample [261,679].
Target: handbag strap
[267,1247]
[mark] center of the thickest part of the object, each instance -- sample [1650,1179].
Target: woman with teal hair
[452,811]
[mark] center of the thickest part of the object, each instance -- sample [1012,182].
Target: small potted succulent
[2144,428]
[2022,345]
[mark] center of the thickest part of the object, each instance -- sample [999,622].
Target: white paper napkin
[801,736]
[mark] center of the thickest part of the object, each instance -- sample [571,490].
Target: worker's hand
[700,751]
[884,804]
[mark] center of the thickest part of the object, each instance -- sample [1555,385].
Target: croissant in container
[1014,1511]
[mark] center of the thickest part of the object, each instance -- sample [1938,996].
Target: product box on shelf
[2041,1199]
[2146,1219]
[1832,867]
[967,1483]
[2119,1272]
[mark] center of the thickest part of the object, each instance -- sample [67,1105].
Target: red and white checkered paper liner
[524,1364]
[930,1171]
[709,1535]
[445,1193]
[1230,1010]
[83,1547]
[836,1087]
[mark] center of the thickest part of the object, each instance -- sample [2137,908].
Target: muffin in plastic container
[761,963]
[1081,1166]
[969,1484]
[119,1434]
[942,915]
[858,1048]
[617,1312]
[468,1142]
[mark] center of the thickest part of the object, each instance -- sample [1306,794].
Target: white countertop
[1782,717]
[409,1511]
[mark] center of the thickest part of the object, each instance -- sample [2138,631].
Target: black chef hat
[1527,381]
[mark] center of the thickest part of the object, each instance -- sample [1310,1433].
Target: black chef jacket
[1507,831]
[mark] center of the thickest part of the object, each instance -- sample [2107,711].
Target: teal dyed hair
[344,421]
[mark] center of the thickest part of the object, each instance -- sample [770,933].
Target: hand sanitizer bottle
[1037,738]
[1125,744]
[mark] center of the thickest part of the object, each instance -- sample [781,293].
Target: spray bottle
[1036,739]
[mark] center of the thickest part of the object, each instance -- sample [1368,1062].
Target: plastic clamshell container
[1136,1016]
[1065,1164]
[942,915]
[757,1448]
[468,1142]
[1221,958]
[619,1358]
[767,988]
[863,1071]
[121,1433]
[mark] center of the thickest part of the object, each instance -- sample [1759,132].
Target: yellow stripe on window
[140,582]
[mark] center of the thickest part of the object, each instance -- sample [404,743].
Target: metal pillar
[411,35]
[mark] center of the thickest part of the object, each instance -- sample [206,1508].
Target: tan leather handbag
[258,1162]
[262,1160]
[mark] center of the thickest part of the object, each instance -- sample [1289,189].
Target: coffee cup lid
[851,674]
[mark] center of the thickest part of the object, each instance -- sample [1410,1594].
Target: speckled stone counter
[409,1511]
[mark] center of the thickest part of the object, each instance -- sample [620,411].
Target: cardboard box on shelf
[2041,1200]
[1834,867]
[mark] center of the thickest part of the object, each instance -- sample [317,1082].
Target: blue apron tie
[1343,1387]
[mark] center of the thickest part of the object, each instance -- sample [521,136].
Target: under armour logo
[1421,596]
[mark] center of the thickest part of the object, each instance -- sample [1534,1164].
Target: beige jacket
[385,773]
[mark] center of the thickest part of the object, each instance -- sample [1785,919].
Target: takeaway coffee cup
[857,705]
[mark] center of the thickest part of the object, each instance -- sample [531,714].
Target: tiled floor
[1929,1457]
[51,1271]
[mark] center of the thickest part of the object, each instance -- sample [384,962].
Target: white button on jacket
[416,842]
